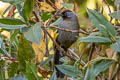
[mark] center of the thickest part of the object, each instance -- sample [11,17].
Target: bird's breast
[67,38]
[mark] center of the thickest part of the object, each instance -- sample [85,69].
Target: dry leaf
[46,7]
[75,7]
[6,34]
[11,12]
[58,4]
[43,71]
[111,54]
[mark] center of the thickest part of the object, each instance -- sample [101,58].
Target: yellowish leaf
[6,34]
[43,72]
[112,54]
[56,35]
[39,50]
[46,7]
[58,4]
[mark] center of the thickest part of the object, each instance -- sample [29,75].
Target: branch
[91,51]
[5,57]
[36,13]
[74,53]
[53,5]
[11,12]
[68,30]
[108,8]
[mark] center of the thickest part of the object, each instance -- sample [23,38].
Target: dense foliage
[27,53]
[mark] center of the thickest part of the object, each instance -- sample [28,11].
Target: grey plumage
[66,39]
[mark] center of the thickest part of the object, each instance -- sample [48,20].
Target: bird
[65,39]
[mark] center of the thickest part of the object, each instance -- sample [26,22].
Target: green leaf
[68,5]
[99,21]
[89,74]
[101,64]
[20,10]
[111,2]
[69,70]
[46,16]
[25,53]
[64,59]
[28,8]
[24,29]
[53,77]
[6,10]
[34,33]
[115,15]
[11,23]
[116,46]
[2,46]
[19,77]
[2,70]
[31,70]
[95,39]
[95,34]
[56,22]
[96,66]
[12,70]
[11,26]
[13,35]
[14,2]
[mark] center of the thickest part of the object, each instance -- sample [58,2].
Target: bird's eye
[67,14]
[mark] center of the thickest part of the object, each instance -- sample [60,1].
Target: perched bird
[65,39]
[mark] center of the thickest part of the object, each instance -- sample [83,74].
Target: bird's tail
[58,54]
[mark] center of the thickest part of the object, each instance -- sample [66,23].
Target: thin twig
[53,5]
[108,8]
[118,69]
[73,53]
[36,13]
[107,5]
[91,51]
[68,30]
[9,58]
[7,55]
[52,18]
[46,43]
[11,12]
[97,50]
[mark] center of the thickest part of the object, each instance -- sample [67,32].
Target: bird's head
[67,14]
